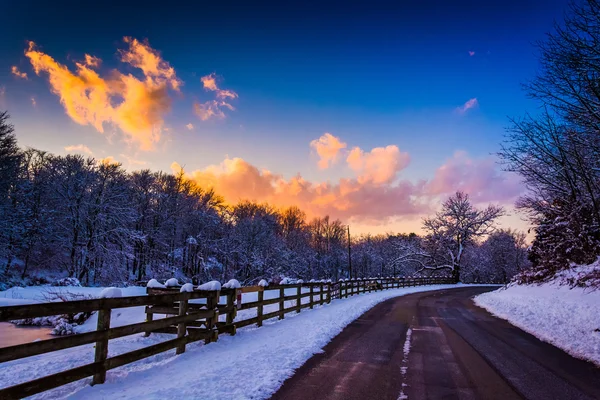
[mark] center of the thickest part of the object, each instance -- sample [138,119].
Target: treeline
[94,221]
[557,151]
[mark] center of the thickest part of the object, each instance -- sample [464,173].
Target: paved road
[457,351]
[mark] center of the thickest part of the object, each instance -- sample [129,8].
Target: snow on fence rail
[192,316]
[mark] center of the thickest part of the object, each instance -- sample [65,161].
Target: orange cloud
[15,71]
[190,126]
[374,197]
[328,147]
[136,106]
[379,166]
[33,102]
[235,179]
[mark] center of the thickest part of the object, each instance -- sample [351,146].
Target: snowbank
[264,283]
[260,359]
[567,318]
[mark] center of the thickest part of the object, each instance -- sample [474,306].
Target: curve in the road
[453,350]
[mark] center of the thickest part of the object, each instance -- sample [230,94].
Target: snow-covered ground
[132,315]
[250,365]
[569,318]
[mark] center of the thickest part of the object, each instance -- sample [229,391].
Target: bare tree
[458,225]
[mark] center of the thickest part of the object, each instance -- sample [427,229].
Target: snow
[153,283]
[110,292]
[264,283]
[40,294]
[188,287]
[260,359]
[565,317]
[172,282]
[212,285]
[404,367]
[232,284]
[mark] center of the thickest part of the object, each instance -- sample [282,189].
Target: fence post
[321,294]
[102,345]
[231,312]
[259,308]
[299,299]
[311,296]
[149,318]
[329,289]
[183,307]
[281,303]
[211,304]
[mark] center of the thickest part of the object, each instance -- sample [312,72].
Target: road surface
[439,345]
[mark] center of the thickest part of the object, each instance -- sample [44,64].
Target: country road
[439,345]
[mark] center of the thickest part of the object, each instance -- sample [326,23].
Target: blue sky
[371,74]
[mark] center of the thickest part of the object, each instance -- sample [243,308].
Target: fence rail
[191,316]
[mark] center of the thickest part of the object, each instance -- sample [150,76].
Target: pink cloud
[328,147]
[481,178]
[471,103]
[471,53]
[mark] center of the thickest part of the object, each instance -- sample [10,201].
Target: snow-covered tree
[458,225]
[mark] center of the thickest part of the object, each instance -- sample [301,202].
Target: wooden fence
[191,316]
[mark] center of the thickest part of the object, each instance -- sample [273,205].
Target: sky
[371,112]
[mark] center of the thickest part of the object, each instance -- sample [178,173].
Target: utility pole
[349,254]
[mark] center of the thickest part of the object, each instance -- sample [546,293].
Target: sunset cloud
[33,101]
[210,83]
[92,61]
[328,148]
[471,53]
[15,71]
[479,177]
[190,126]
[236,179]
[472,103]
[378,166]
[375,196]
[214,108]
[210,109]
[79,148]
[135,106]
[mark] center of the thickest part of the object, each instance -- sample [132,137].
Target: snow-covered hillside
[569,318]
